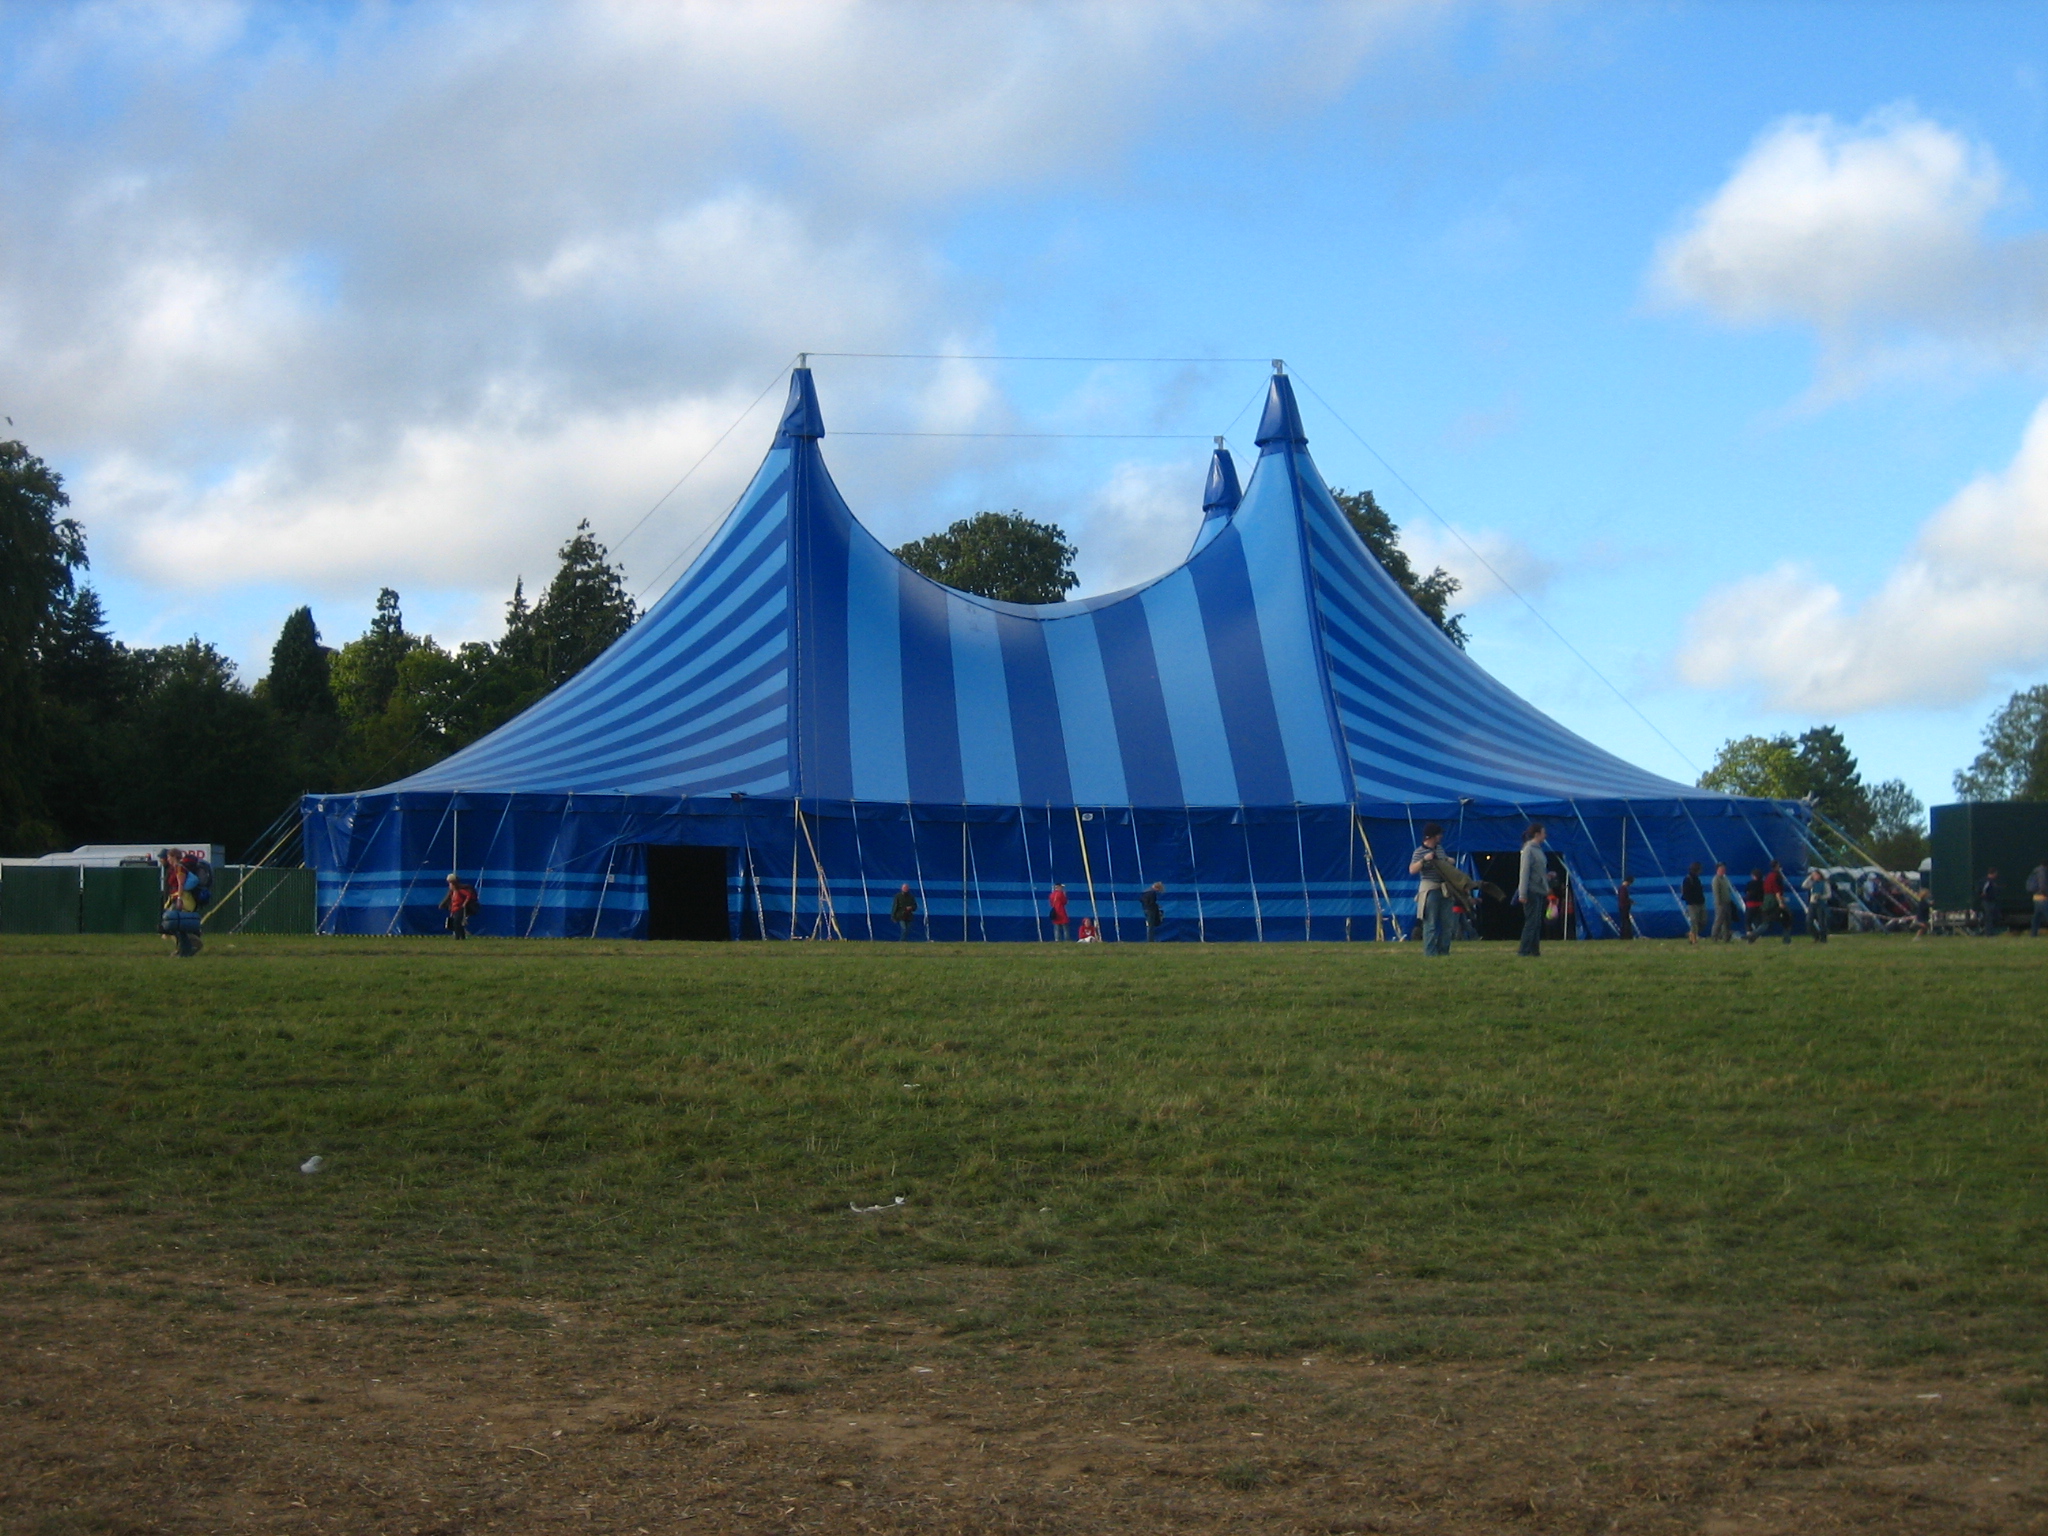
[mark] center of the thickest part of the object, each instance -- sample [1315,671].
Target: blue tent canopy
[1262,729]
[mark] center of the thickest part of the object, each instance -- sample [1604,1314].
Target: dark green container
[267,901]
[1971,838]
[124,900]
[39,899]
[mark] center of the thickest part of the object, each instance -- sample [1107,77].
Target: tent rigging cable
[1497,576]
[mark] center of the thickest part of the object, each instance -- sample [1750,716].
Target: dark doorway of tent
[1502,919]
[687,893]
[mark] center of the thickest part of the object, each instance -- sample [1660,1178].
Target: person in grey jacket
[1724,906]
[1532,889]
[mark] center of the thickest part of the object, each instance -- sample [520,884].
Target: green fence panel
[34,900]
[123,900]
[268,901]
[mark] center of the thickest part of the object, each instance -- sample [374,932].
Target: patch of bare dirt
[187,1404]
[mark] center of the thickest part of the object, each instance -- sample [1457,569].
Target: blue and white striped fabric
[1279,665]
[1261,729]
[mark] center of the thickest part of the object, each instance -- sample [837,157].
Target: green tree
[1001,555]
[89,683]
[298,682]
[39,553]
[2014,762]
[1815,766]
[585,608]
[1833,781]
[364,672]
[1431,593]
[1764,766]
[1898,829]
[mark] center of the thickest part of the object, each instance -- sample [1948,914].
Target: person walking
[1693,897]
[458,904]
[1777,910]
[1155,917]
[1532,888]
[903,912]
[1752,906]
[1818,892]
[1432,901]
[1625,906]
[1724,906]
[1058,908]
[1990,910]
[2037,888]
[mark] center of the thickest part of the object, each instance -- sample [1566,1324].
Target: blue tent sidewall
[574,866]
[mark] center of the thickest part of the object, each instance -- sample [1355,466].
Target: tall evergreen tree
[40,551]
[1382,535]
[299,665]
[585,608]
[364,672]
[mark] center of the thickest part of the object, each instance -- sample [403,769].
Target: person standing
[1989,907]
[1752,906]
[1155,917]
[1777,903]
[903,912]
[1818,893]
[1625,906]
[1532,888]
[458,904]
[1058,908]
[1724,906]
[1432,901]
[1693,897]
[2037,888]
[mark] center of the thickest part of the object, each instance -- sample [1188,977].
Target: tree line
[102,742]
[105,742]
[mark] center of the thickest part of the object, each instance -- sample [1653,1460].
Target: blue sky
[1717,329]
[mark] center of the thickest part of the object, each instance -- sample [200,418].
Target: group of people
[1151,901]
[1991,901]
[1443,891]
[1766,906]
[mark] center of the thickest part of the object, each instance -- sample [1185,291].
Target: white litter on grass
[869,1210]
[313,1165]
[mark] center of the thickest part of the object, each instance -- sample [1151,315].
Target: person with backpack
[459,903]
[1692,895]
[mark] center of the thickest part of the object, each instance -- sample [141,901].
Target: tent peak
[1282,421]
[1222,494]
[801,416]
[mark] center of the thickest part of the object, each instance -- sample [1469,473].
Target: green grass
[1825,1154]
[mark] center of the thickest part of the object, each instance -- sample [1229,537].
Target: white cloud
[340,296]
[1486,561]
[1964,606]
[1874,236]
[1140,524]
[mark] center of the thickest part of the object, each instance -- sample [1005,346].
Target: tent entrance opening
[687,893]
[1503,919]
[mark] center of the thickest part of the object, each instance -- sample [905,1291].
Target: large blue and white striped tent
[1263,729]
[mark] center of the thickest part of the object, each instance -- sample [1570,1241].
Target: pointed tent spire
[801,416]
[1282,421]
[1221,496]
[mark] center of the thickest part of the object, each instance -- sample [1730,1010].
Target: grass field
[1811,1158]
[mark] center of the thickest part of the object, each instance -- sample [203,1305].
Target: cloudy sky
[1718,331]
